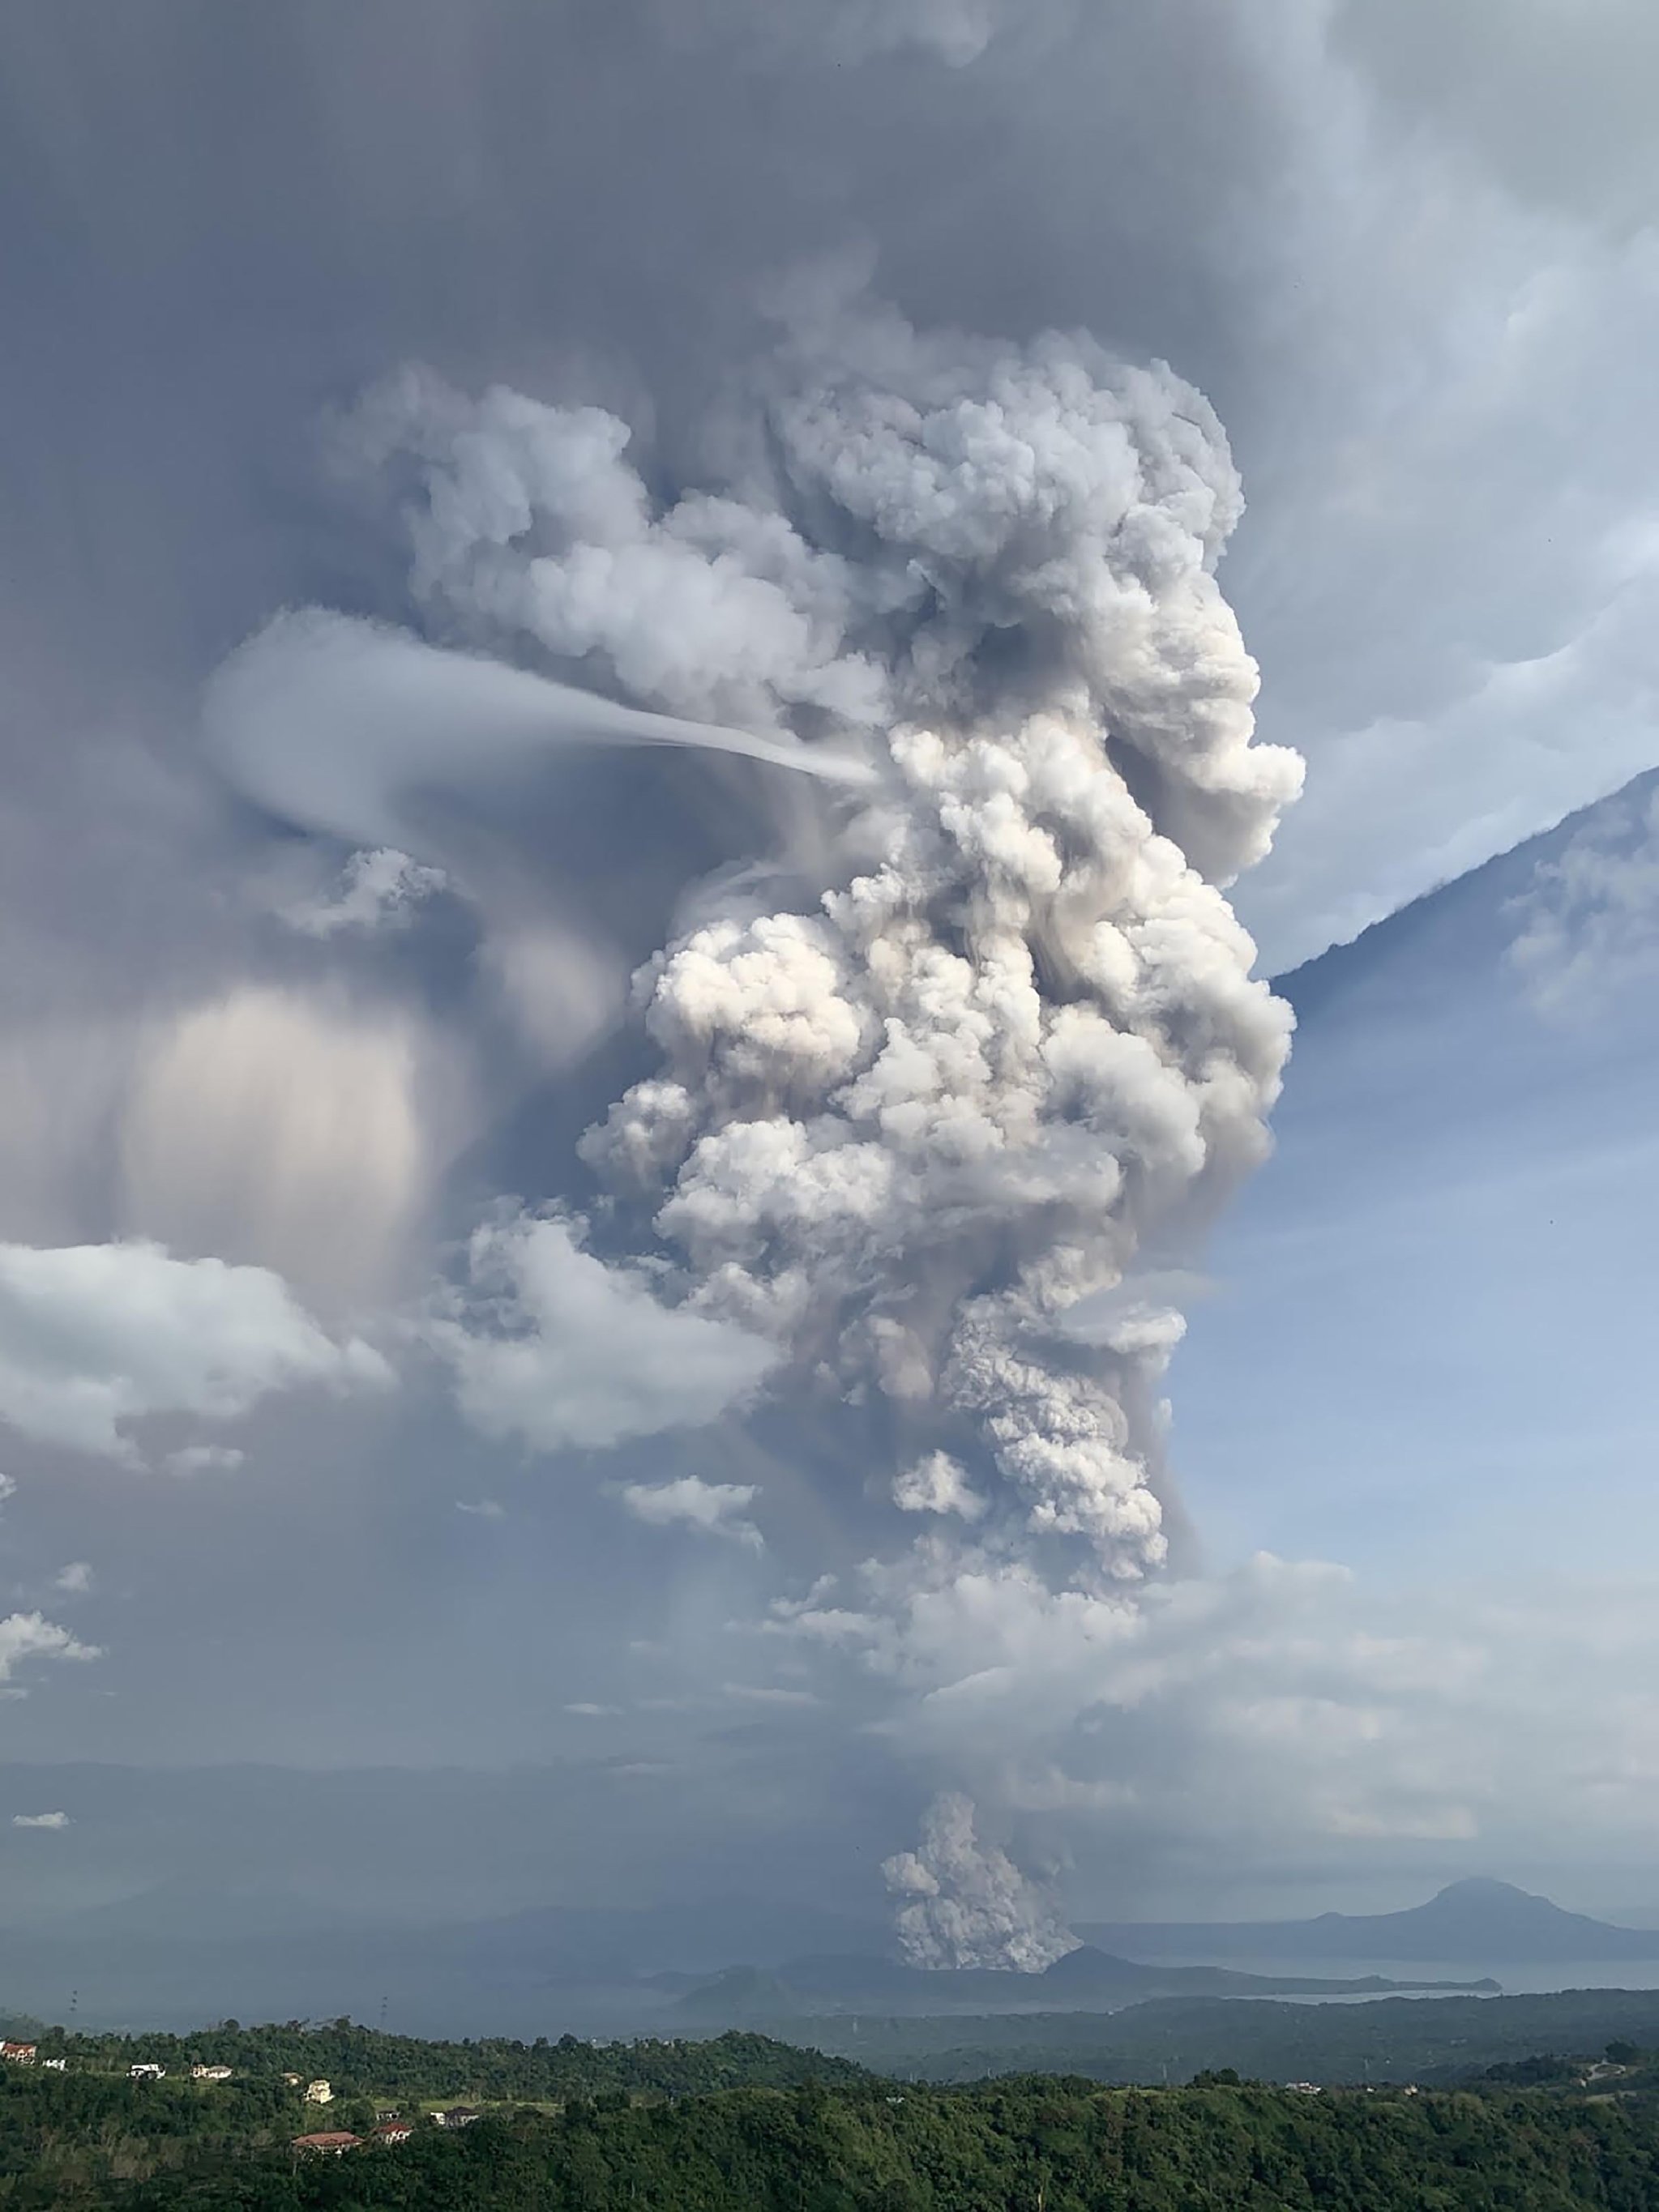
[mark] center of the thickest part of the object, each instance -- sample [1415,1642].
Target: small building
[56,2065]
[458,2116]
[19,2054]
[210,2073]
[318,2092]
[328,2142]
[146,2070]
[292,2080]
[393,2132]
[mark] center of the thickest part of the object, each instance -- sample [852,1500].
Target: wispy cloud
[714,1509]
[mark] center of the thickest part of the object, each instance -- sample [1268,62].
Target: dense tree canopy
[743,2124]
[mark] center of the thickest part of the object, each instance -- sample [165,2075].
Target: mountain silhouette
[1474,1922]
[1084,1980]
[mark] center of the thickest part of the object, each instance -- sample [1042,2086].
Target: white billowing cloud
[711,609]
[1588,927]
[962,1902]
[40,1819]
[204,1459]
[378,888]
[266,1128]
[74,1580]
[716,1509]
[937,1484]
[25,1635]
[557,1348]
[94,1337]
[481,1508]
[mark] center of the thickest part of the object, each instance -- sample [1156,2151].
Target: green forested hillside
[1054,2146]
[361,2061]
[90,2140]
[1427,2039]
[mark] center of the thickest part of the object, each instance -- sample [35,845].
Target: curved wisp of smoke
[330,722]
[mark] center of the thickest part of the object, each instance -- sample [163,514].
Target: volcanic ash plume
[915,1125]
[961,1903]
[908,1132]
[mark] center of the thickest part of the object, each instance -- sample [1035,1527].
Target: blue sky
[1426,1346]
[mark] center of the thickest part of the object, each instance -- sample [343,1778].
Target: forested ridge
[629,2128]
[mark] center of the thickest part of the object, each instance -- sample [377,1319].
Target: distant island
[1085,1980]
[176,1957]
[1474,1921]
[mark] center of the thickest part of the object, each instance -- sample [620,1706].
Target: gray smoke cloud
[907,1132]
[960,1902]
[916,1124]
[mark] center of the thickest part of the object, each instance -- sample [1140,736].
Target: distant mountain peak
[1474,1919]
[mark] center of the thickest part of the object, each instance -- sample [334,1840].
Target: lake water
[1515,1979]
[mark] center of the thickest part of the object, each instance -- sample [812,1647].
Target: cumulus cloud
[378,889]
[40,1819]
[26,1636]
[937,1484]
[94,1337]
[715,1509]
[74,1580]
[553,1347]
[964,1903]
